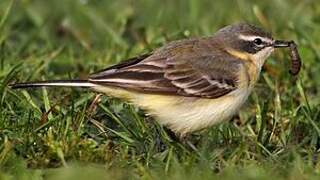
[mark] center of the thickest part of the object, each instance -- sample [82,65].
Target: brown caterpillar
[295,59]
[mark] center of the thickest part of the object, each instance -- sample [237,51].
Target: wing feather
[196,74]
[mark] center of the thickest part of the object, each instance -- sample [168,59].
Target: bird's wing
[176,69]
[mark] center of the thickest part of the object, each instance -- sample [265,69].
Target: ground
[63,133]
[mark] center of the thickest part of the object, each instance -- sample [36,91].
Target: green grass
[60,133]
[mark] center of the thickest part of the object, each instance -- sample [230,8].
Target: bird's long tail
[61,83]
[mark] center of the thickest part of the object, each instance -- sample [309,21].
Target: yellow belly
[183,114]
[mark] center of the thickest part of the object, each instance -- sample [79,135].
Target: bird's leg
[93,106]
[187,140]
[236,119]
[184,139]
[160,142]
[172,134]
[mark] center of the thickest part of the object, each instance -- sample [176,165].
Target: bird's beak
[281,43]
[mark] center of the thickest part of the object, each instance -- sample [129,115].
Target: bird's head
[247,40]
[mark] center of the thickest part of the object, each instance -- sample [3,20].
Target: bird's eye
[257,41]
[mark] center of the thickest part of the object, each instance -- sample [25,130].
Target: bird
[190,84]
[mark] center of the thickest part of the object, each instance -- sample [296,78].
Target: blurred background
[44,131]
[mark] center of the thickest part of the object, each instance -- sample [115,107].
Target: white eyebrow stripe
[251,38]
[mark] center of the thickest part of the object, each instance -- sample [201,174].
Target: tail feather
[66,83]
